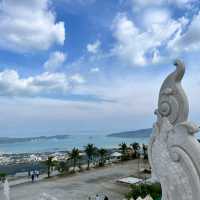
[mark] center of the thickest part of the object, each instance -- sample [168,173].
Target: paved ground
[79,186]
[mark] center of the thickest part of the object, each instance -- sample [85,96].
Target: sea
[67,144]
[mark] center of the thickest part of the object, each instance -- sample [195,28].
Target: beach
[80,185]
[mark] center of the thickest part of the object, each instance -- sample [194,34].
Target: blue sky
[92,66]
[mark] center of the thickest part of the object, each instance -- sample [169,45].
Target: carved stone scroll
[174,152]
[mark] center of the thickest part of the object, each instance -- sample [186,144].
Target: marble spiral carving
[174,152]
[173,102]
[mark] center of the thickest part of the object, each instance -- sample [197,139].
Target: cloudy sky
[92,66]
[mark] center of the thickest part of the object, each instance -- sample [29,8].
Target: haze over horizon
[72,66]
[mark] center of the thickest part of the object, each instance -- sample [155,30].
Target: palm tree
[90,151]
[102,153]
[136,147]
[95,156]
[124,150]
[63,166]
[74,155]
[2,177]
[145,151]
[49,162]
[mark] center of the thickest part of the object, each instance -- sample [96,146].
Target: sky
[92,66]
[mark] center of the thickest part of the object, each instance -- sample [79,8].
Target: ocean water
[78,141]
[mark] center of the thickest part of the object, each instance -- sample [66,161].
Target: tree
[74,155]
[63,166]
[143,189]
[2,177]
[49,162]
[95,156]
[145,151]
[136,147]
[102,154]
[90,151]
[124,150]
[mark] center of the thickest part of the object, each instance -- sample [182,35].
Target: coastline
[17,164]
[67,144]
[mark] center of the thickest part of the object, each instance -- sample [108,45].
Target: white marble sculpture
[174,152]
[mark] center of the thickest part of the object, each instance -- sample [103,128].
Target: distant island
[7,140]
[133,134]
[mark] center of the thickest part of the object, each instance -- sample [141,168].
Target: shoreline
[78,141]
[19,164]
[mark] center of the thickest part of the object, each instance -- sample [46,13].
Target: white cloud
[138,5]
[56,60]
[45,115]
[29,25]
[121,96]
[188,40]
[49,83]
[136,46]
[77,78]
[94,47]
[156,58]
[42,116]
[94,70]
[155,16]
[41,85]
[183,3]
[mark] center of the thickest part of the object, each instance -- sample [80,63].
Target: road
[77,186]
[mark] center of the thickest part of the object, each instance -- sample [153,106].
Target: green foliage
[136,147]
[75,156]
[50,163]
[142,190]
[2,176]
[90,151]
[145,151]
[62,166]
[102,154]
[124,150]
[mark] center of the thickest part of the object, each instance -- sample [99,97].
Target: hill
[133,134]
[7,140]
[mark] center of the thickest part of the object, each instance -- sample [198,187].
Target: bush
[62,166]
[2,176]
[125,157]
[142,190]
